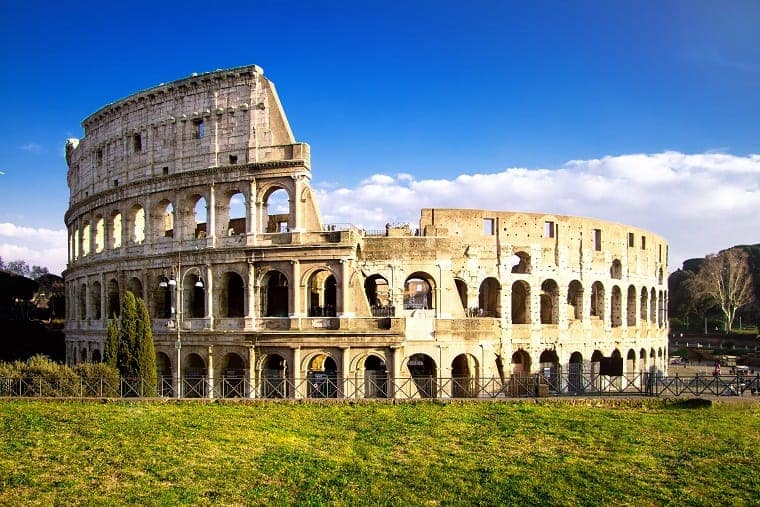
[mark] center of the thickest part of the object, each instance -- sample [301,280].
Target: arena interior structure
[195,196]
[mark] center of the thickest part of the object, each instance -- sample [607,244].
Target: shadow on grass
[691,403]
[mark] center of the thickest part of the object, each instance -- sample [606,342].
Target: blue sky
[429,90]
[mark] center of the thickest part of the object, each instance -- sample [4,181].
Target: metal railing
[379,385]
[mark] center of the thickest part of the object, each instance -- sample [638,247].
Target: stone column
[563,320]
[250,307]
[252,372]
[209,287]
[251,226]
[297,291]
[395,371]
[344,373]
[103,300]
[296,373]
[211,217]
[211,377]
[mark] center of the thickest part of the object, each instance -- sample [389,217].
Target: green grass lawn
[56,452]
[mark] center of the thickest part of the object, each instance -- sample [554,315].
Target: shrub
[98,379]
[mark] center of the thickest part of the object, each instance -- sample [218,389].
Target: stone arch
[276,207]
[642,359]
[232,295]
[199,227]
[523,265]
[136,224]
[630,363]
[322,293]
[597,300]
[162,298]
[163,219]
[464,375]
[550,368]
[321,376]
[489,298]
[82,302]
[96,357]
[419,288]
[115,230]
[424,373]
[643,312]
[194,376]
[85,238]
[616,307]
[653,306]
[193,295]
[520,302]
[596,359]
[274,294]
[114,299]
[631,306]
[274,382]
[616,270]
[575,373]
[549,302]
[134,285]
[100,233]
[233,376]
[378,294]
[521,362]
[96,293]
[575,300]
[83,355]
[461,286]
[375,376]
[234,214]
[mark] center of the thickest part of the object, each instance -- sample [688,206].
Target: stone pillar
[343,296]
[296,373]
[608,307]
[563,319]
[444,374]
[211,377]
[103,300]
[252,372]
[348,392]
[250,210]
[211,217]
[250,307]
[296,294]
[209,288]
[395,372]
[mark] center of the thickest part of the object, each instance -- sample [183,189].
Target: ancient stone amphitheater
[195,196]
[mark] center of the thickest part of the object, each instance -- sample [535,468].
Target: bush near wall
[40,376]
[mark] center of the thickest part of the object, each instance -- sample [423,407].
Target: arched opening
[200,214]
[461,291]
[194,296]
[86,238]
[274,295]
[630,364]
[194,377]
[233,376]
[597,301]
[575,300]
[164,374]
[660,309]
[550,370]
[137,222]
[653,307]
[659,276]
[520,302]
[162,299]
[464,372]
[322,294]
[233,295]
[163,219]
[575,373]
[631,306]
[616,307]
[322,377]
[549,302]
[95,295]
[489,299]
[379,296]
[83,355]
[277,210]
[521,362]
[114,306]
[237,216]
[115,230]
[523,265]
[643,304]
[423,370]
[642,360]
[596,359]
[274,377]
[82,302]
[100,233]
[375,378]
[616,270]
[134,285]
[96,357]
[418,292]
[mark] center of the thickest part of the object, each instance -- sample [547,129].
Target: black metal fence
[317,386]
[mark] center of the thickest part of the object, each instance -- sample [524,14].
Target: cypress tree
[126,361]
[111,349]
[145,352]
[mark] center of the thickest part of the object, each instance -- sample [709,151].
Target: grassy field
[154,453]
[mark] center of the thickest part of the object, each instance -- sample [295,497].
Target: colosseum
[195,195]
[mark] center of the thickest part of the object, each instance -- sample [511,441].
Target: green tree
[126,359]
[111,349]
[145,351]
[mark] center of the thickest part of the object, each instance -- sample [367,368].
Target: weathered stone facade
[174,196]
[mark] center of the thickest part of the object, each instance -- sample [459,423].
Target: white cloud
[699,202]
[36,246]
[31,148]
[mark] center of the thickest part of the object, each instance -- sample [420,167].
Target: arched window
[115,230]
[322,294]
[520,302]
[597,300]
[489,301]
[277,210]
[418,292]
[200,209]
[233,296]
[86,238]
[163,220]
[643,304]
[616,270]
[522,264]
[135,286]
[137,223]
[236,215]
[82,302]
[575,300]
[274,295]
[95,295]
[114,306]
[616,310]
[631,306]
[100,233]
[423,370]
[194,297]
[461,291]
[549,302]
[378,296]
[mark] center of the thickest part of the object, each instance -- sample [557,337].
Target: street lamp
[175,291]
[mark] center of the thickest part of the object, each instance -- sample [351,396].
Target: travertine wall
[174,195]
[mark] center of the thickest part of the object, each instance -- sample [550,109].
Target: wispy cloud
[699,202]
[32,148]
[37,246]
